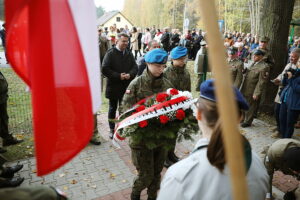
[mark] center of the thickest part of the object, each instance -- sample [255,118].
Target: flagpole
[226,105]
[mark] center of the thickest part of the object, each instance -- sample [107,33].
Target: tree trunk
[274,23]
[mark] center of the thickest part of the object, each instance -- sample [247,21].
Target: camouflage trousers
[149,164]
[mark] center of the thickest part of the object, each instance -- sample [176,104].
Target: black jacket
[165,40]
[115,63]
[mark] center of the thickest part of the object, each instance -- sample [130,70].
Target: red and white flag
[53,46]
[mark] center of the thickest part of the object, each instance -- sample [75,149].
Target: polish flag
[53,46]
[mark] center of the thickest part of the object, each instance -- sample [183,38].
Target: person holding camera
[290,102]
[294,57]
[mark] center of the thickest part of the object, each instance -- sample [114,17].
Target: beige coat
[134,41]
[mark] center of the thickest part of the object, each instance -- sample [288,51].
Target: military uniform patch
[127,91]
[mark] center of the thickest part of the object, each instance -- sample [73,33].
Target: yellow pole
[226,103]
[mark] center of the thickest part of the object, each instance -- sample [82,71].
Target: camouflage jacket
[256,78]
[236,68]
[179,77]
[140,88]
[3,89]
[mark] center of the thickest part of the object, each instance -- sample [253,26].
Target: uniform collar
[201,142]
[177,69]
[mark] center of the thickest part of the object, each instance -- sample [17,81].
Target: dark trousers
[277,114]
[113,105]
[4,121]
[287,118]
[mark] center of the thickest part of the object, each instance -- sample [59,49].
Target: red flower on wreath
[161,97]
[174,92]
[140,108]
[141,102]
[180,114]
[143,124]
[164,119]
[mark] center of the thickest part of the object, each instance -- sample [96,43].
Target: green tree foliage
[242,15]
[100,11]
[1,9]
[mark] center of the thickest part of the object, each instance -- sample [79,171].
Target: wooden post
[226,103]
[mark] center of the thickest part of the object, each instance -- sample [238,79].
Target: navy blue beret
[158,56]
[207,91]
[178,52]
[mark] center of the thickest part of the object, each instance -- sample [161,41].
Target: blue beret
[158,56]
[178,52]
[207,91]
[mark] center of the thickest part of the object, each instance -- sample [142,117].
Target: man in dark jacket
[120,68]
[165,40]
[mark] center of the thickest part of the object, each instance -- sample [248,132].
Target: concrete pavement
[105,173]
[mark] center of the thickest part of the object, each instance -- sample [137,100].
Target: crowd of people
[250,63]
[135,64]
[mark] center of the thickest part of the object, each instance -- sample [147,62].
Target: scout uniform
[196,178]
[181,79]
[148,162]
[236,68]
[256,77]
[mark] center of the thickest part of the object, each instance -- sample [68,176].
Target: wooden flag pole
[226,103]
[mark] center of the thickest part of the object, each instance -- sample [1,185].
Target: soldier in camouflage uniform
[179,76]
[236,67]
[148,162]
[8,139]
[256,77]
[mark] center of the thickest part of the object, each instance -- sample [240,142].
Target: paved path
[104,173]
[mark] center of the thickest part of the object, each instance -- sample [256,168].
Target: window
[118,19]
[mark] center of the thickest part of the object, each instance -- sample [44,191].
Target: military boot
[9,172]
[13,182]
[135,197]
[11,141]
[95,139]
[2,150]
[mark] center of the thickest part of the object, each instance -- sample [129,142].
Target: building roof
[107,16]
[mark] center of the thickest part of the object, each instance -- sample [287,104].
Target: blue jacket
[291,93]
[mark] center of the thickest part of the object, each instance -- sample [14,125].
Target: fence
[19,103]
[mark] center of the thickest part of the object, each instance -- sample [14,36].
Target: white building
[113,17]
